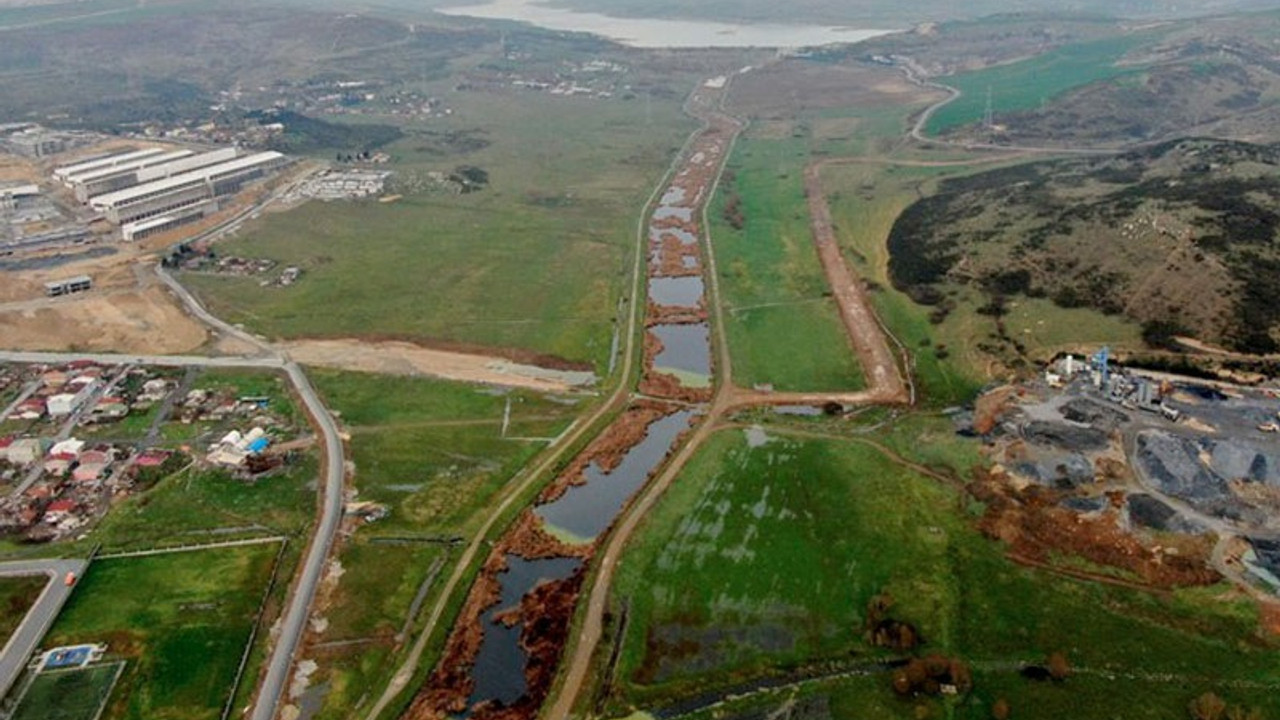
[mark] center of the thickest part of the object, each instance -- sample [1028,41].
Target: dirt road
[403,358]
[869,339]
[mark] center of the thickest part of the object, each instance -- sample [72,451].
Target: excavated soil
[146,321]
[671,254]
[669,315]
[391,357]
[1035,527]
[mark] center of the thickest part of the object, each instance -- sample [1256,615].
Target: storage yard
[1145,454]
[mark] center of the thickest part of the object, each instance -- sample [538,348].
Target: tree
[1000,710]
[1207,707]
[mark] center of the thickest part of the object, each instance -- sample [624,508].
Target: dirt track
[402,358]
[868,338]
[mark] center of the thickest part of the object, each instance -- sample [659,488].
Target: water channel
[587,510]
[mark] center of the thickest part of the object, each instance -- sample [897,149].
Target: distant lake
[654,33]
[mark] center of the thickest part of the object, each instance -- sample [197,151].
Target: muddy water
[684,236]
[499,668]
[667,212]
[586,510]
[676,292]
[686,348]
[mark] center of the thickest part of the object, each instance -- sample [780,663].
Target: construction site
[1173,479]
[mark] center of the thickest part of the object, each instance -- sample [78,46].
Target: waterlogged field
[762,560]
[784,328]
[1031,83]
[180,620]
[537,260]
[435,454]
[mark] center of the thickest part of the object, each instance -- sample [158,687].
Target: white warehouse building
[167,165]
[67,173]
[182,192]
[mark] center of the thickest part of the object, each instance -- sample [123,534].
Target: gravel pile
[1090,412]
[1067,437]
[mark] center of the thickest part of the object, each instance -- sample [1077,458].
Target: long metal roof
[102,162]
[130,166]
[123,197]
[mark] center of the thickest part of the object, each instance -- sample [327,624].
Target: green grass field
[783,327]
[68,694]
[763,559]
[181,620]
[536,261]
[433,452]
[1030,83]
[184,508]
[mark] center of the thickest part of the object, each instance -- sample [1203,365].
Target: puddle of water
[676,292]
[312,701]
[499,668]
[404,487]
[674,196]
[686,348]
[684,236]
[680,213]
[689,261]
[803,410]
[757,437]
[586,510]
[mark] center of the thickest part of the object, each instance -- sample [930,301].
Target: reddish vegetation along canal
[502,655]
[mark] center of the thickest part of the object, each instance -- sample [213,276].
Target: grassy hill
[1218,79]
[1180,237]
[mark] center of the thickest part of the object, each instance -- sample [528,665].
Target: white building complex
[161,196]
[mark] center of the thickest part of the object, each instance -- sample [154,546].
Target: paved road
[26,393]
[295,618]
[160,360]
[17,652]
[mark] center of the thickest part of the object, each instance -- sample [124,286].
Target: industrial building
[67,172]
[36,142]
[107,180]
[58,288]
[118,177]
[9,195]
[186,194]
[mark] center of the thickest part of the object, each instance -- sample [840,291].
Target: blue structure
[259,445]
[1102,363]
[68,658]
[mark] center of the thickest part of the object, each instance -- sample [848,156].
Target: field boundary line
[257,628]
[194,548]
